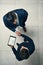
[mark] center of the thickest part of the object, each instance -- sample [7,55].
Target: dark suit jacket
[29,45]
[8,19]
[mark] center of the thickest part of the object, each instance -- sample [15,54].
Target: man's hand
[10,45]
[18,33]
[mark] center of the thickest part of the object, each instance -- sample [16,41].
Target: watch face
[11,40]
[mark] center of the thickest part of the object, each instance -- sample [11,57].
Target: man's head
[24,53]
[12,17]
[15,18]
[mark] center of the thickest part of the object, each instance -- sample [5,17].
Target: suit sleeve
[26,38]
[14,51]
[11,28]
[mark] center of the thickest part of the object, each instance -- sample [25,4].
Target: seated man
[15,18]
[25,49]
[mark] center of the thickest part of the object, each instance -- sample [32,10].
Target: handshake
[18,33]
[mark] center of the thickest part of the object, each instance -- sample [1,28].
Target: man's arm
[26,38]
[11,28]
[14,51]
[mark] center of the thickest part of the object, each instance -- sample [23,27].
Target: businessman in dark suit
[15,18]
[25,49]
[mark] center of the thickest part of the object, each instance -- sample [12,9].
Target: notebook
[12,40]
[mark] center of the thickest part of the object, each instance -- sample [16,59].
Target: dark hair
[24,54]
[11,16]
